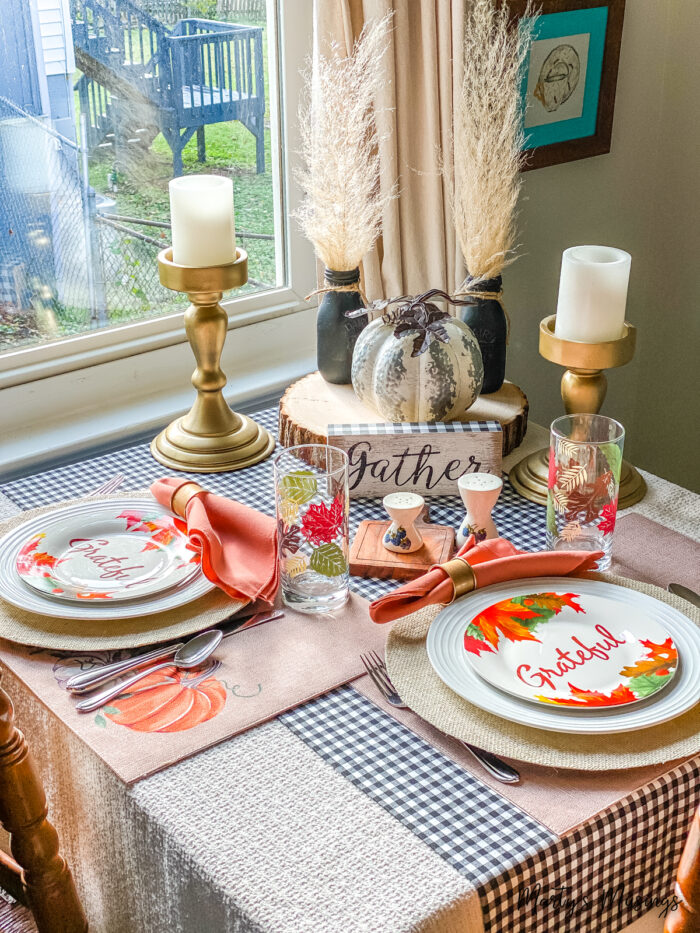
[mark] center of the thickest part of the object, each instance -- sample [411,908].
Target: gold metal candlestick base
[210,438]
[583,388]
[529,477]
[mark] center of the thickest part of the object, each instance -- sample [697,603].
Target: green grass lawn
[143,184]
[142,192]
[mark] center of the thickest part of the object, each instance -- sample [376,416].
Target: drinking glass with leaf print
[311,495]
[585,457]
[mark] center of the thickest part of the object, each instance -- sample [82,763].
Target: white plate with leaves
[571,649]
[671,697]
[190,586]
[113,554]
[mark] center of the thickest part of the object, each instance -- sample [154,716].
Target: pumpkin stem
[420,315]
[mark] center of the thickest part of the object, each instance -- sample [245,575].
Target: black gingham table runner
[593,874]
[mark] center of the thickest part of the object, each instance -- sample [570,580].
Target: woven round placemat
[30,628]
[421,688]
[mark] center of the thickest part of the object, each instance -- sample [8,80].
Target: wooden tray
[311,404]
[369,557]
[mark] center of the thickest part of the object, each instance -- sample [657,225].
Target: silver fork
[110,486]
[496,767]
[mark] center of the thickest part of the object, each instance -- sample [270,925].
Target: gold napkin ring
[181,497]
[461,574]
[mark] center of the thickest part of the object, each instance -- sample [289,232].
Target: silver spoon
[190,655]
[84,681]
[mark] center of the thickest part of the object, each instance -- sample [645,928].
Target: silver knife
[685,593]
[88,680]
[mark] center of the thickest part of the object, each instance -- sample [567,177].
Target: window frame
[87,355]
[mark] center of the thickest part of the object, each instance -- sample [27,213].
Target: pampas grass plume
[488,137]
[342,209]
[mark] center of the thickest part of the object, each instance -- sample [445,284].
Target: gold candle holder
[210,438]
[583,388]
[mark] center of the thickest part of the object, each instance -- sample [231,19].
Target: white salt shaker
[479,492]
[402,536]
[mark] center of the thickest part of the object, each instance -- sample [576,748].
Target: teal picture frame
[570,87]
[593,23]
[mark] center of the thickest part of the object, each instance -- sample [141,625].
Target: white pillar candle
[592,293]
[201,216]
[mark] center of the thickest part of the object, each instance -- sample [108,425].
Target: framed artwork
[570,79]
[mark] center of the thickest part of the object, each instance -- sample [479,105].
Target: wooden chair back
[687,918]
[35,875]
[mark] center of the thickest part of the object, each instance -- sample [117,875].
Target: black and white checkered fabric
[501,849]
[520,521]
[609,872]
[455,814]
[416,427]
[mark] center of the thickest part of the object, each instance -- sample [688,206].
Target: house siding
[54,36]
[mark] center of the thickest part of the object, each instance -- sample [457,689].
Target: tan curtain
[418,248]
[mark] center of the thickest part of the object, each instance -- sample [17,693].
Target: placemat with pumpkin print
[172,714]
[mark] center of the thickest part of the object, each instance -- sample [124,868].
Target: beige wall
[643,197]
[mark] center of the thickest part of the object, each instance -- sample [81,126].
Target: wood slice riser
[311,404]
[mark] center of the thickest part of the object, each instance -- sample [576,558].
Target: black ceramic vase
[487,319]
[336,333]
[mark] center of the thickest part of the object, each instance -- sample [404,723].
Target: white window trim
[117,382]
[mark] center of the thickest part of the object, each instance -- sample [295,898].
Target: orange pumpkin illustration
[165,702]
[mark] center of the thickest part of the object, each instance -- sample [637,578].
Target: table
[335,817]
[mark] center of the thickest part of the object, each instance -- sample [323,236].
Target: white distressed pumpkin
[438,384]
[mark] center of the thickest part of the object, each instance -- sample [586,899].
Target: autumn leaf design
[32,545]
[289,537]
[568,450]
[608,513]
[659,658]
[320,523]
[646,684]
[507,618]
[579,697]
[572,477]
[29,559]
[571,531]
[162,538]
[289,511]
[604,486]
[552,602]
[560,500]
[581,502]
[134,520]
[516,619]
[328,560]
[162,531]
[299,486]
[474,643]
[42,559]
[613,455]
[295,565]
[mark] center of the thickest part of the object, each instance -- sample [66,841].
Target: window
[101,103]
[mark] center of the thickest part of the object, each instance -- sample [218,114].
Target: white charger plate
[13,589]
[114,554]
[570,649]
[446,652]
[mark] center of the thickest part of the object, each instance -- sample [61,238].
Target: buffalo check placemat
[600,876]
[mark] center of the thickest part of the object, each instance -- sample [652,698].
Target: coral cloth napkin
[238,545]
[493,561]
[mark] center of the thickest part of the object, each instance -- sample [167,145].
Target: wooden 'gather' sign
[420,457]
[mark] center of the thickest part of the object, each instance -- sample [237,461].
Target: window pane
[102,102]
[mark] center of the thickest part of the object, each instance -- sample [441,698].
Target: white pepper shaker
[479,492]
[403,508]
